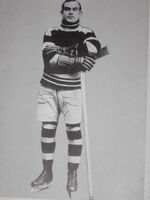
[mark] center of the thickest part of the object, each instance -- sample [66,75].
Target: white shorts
[51,102]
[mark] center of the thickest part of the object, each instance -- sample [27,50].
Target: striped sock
[74,146]
[48,144]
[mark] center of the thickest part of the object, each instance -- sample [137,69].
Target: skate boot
[72,184]
[42,182]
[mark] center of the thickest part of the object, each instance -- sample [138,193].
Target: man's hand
[86,63]
[70,50]
[76,63]
[50,50]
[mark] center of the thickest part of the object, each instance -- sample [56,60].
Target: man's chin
[71,21]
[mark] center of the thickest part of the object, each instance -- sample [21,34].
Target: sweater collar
[66,24]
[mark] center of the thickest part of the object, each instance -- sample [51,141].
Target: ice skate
[72,184]
[42,182]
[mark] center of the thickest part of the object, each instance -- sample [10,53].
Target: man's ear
[81,12]
[61,12]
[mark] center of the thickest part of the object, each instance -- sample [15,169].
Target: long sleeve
[91,44]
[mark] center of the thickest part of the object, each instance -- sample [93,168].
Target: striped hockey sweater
[65,36]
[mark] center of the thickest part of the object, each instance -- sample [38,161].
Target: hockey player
[67,50]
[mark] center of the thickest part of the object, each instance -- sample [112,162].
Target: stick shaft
[86,135]
[147,142]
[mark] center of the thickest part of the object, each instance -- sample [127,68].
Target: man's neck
[66,24]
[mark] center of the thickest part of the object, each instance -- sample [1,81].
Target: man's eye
[75,9]
[66,8]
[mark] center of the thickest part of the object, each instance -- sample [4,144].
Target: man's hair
[63,5]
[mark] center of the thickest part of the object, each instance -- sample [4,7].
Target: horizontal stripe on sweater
[61,82]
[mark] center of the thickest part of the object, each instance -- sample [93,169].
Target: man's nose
[71,11]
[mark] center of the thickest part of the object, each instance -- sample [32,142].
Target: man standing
[67,50]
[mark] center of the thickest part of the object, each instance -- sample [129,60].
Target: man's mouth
[70,17]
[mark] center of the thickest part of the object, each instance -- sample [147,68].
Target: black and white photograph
[74,81]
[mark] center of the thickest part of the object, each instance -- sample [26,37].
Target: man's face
[71,12]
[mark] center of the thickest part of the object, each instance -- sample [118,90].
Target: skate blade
[43,187]
[69,193]
[91,197]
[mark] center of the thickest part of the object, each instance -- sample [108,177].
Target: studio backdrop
[116,100]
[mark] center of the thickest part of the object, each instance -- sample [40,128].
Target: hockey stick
[86,135]
[9,198]
[104,52]
[147,138]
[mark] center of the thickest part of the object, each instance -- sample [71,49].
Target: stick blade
[104,52]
